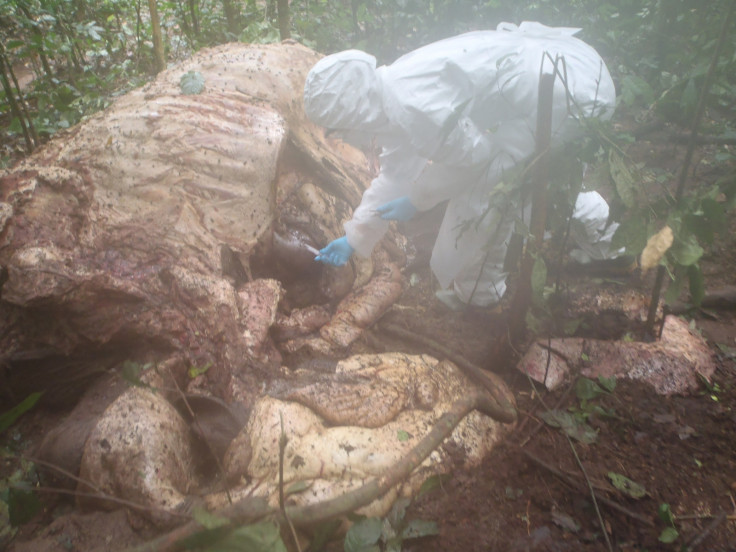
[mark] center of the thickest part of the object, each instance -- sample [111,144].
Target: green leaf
[665,513]
[11,44]
[433,482]
[418,528]
[195,371]
[609,384]
[631,234]
[626,485]
[208,520]
[623,178]
[363,536]
[8,418]
[396,516]
[586,389]
[668,535]
[569,425]
[402,435]
[675,287]
[259,537]
[22,506]
[714,211]
[634,88]
[686,252]
[191,82]
[324,533]
[131,372]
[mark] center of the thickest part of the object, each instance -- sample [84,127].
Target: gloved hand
[337,252]
[400,209]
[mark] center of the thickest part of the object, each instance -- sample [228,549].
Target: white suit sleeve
[399,169]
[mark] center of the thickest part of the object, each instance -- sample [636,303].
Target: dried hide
[127,232]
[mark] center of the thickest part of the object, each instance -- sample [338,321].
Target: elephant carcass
[127,232]
[342,429]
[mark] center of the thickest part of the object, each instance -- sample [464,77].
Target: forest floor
[533,492]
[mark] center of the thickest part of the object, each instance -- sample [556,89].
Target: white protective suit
[451,117]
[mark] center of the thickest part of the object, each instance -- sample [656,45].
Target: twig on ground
[251,510]
[576,485]
[712,526]
[62,471]
[540,425]
[112,499]
[592,494]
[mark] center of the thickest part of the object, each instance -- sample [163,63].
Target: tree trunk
[232,15]
[193,8]
[5,70]
[540,177]
[159,58]
[38,36]
[283,13]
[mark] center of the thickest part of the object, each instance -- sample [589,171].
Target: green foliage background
[82,51]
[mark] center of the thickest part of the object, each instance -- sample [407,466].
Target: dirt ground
[533,492]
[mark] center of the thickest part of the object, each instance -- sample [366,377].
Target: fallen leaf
[655,249]
[668,535]
[566,522]
[573,428]
[626,485]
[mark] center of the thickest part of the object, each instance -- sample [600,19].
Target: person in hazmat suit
[451,119]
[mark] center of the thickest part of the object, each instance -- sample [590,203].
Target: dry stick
[247,511]
[505,413]
[592,494]
[575,484]
[540,425]
[14,105]
[712,526]
[657,289]
[112,499]
[62,471]
[98,494]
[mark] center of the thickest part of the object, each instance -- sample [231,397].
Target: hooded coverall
[452,117]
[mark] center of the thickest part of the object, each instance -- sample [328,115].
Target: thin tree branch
[505,413]
[576,485]
[250,510]
[592,494]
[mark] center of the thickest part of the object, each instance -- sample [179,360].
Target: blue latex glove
[337,252]
[400,209]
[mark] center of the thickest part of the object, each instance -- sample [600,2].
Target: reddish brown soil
[679,448]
